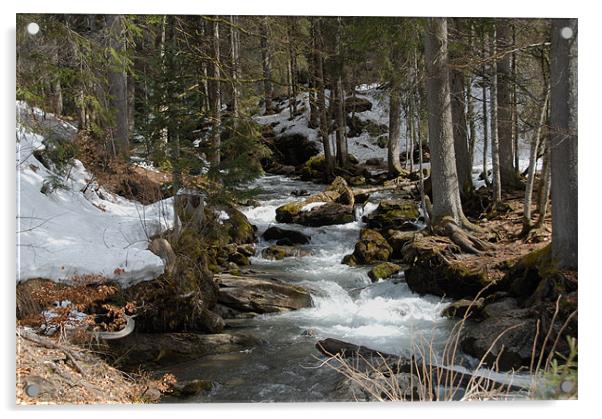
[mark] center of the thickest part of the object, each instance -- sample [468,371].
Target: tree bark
[563,142]
[328,155]
[394,126]
[527,223]
[235,64]
[495,147]
[266,59]
[463,165]
[213,85]
[446,192]
[485,115]
[508,174]
[118,87]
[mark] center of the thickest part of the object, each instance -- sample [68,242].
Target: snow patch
[80,228]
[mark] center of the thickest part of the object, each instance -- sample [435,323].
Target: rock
[433,269]
[383,270]
[163,249]
[375,161]
[506,339]
[279,252]
[328,214]
[173,348]
[352,159]
[357,181]
[397,214]
[458,309]
[293,149]
[277,233]
[249,294]
[338,207]
[246,249]
[398,239]
[282,169]
[300,192]
[191,387]
[382,140]
[372,247]
[239,259]
[357,104]
[239,228]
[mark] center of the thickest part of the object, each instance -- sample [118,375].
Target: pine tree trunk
[527,223]
[266,59]
[446,193]
[515,105]
[485,116]
[235,64]
[495,147]
[342,151]
[118,87]
[214,93]
[543,195]
[508,174]
[458,106]
[328,155]
[563,142]
[394,127]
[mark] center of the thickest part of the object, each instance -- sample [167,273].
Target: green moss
[286,212]
[383,270]
[349,260]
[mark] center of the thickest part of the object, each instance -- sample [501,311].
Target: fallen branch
[49,344]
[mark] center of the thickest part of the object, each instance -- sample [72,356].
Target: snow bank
[80,228]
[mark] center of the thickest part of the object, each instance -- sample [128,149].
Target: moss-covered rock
[286,213]
[383,270]
[371,248]
[398,240]
[396,214]
[240,230]
[433,269]
[278,252]
[458,309]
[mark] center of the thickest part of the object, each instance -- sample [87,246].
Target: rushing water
[386,315]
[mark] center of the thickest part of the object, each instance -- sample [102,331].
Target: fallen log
[405,186]
[429,374]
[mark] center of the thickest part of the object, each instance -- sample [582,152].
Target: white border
[590,156]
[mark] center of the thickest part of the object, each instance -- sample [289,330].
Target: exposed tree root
[465,241]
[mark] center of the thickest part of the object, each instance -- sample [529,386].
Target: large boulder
[328,214]
[434,269]
[371,248]
[398,214]
[332,206]
[293,149]
[277,233]
[398,240]
[249,294]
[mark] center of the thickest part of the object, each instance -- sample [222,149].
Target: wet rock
[279,252]
[357,104]
[398,214]
[398,240]
[372,247]
[328,214]
[383,270]
[240,230]
[336,207]
[277,233]
[458,309]
[506,338]
[172,348]
[191,387]
[300,192]
[246,249]
[249,294]
[239,259]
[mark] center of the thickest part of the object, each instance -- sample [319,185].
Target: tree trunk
[118,86]
[394,126]
[460,132]
[328,156]
[342,151]
[235,57]
[563,142]
[515,105]
[527,223]
[266,59]
[544,185]
[446,192]
[508,174]
[214,92]
[495,148]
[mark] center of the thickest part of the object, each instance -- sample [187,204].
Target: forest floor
[55,371]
